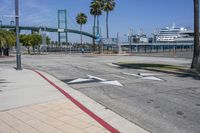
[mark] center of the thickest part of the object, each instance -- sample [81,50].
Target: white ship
[175,34]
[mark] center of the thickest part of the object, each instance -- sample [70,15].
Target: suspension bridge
[62,28]
[48,29]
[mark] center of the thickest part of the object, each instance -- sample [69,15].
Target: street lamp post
[18,53]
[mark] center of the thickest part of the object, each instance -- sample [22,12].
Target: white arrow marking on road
[112,83]
[144,76]
[152,78]
[92,78]
[79,80]
[97,78]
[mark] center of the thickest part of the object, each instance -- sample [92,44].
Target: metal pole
[119,46]
[18,53]
[66,26]
[59,28]
[101,47]
[130,44]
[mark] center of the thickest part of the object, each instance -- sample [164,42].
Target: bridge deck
[48,29]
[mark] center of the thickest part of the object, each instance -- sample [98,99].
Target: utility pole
[18,53]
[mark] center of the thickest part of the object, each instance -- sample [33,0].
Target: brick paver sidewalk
[58,116]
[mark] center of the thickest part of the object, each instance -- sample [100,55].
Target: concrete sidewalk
[30,103]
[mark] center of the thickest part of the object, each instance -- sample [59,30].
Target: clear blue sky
[136,14]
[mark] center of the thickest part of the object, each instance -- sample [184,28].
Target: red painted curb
[81,106]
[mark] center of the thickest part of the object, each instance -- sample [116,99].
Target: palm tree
[81,19]
[109,5]
[100,4]
[196,54]
[7,39]
[95,10]
[2,42]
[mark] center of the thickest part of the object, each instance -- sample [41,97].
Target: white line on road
[152,78]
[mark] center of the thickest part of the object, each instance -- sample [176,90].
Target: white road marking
[115,82]
[147,76]
[99,80]
[152,78]
[93,77]
[79,80]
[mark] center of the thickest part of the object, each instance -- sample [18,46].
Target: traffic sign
[98,37]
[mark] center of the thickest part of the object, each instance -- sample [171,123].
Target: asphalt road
[168,106]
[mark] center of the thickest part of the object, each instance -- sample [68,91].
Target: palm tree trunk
[29,50]
[98,24]
[7,51]
[98,32]
[81,34]
[94,46]
[196,58]
[107,31]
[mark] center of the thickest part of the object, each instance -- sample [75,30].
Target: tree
[81,19]
[2,42]
[7,40]
[32,40]
[196,54]
[26,41]
[95,10]
[109,6]
[48,40]
[35,40]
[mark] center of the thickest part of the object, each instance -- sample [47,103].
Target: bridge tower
[62,25]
